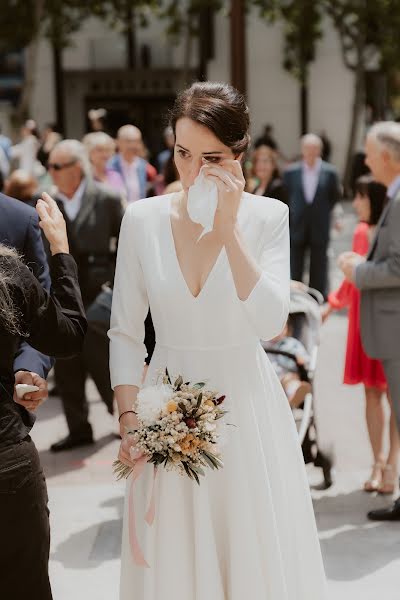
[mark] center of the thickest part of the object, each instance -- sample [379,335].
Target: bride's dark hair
[9,314]
[220,108]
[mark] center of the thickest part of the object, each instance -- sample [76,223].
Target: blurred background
[329,66]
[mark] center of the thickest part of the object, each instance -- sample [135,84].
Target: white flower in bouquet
[151,401]
[178,427]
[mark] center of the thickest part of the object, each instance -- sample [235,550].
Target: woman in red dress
[360,368]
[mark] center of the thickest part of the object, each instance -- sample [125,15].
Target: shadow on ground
[62,462]
[357,547]
[106,545]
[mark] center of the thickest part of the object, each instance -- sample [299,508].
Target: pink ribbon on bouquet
[137,470]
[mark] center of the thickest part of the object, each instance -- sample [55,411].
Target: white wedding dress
[248,532]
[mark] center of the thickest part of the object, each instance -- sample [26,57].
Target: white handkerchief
[203,202]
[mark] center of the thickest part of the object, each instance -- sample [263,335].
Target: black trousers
[71,375]
[24,524]
[391,366]
[318,278]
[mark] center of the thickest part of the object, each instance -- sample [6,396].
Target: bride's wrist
[230,233]
[128,420]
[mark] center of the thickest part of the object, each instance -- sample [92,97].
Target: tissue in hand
[202,202]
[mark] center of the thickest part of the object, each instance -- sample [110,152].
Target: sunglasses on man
[60,166]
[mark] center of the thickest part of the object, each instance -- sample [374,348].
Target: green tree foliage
[369,37]
[301,21]
[59,20]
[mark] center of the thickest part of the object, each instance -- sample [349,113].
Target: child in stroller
[290,360]
[294,355]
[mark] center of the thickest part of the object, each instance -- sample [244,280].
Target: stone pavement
[361,558]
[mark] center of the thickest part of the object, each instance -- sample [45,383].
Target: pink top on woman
[359,368]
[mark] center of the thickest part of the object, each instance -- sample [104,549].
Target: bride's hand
[53,224]
[229,178]
[128,453]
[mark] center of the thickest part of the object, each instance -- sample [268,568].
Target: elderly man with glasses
[93,214]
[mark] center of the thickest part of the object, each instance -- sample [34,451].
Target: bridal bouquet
[177,427]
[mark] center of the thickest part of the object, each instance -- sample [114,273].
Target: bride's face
[194,146]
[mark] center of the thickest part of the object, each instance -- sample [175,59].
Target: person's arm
[27,358]
[385,273]
[263,285]
[55,322]
[129,309]
[44,315]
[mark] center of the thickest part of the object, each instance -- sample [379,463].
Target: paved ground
[361,558]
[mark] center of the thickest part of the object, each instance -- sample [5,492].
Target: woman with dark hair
[55,325]
[368,202]
[249,528]
[265,170]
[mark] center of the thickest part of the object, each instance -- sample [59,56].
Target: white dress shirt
[73,205]
[310,180]
[393,188]
[131,178]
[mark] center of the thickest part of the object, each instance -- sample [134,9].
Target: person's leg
[295,389]
[297,254]
[70,375]
[390,473]
[24,525]
[392,372]
[96,355]
[375,418]
[319,268]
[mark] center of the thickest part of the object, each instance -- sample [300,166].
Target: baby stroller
[305,320]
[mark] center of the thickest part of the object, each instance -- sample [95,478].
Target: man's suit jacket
[311,223]
[19,229]
[379,281]
[93,236]
[116,165]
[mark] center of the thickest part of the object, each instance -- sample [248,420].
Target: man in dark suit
[313,190]
[93,214]
[19,229]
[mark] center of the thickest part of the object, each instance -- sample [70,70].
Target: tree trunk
[22,111]
[188,49]
[238,45]
[358,101]
[130,38]
[304,107]
[206,40]
[59,88]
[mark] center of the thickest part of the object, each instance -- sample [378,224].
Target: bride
[248,530]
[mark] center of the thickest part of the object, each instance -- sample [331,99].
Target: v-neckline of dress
[178,265]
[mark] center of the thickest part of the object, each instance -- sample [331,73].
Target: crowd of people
[92,182]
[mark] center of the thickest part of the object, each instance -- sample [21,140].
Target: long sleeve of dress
[129,309]
[267,306]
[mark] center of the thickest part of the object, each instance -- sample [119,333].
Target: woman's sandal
[389,480]
[375,481]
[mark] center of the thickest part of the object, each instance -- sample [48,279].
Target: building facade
[95,75]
